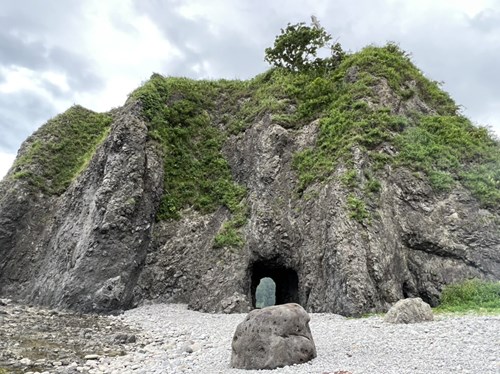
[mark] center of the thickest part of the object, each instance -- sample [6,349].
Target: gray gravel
[177,340]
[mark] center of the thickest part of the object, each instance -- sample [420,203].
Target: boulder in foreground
[273,337]
[410,310]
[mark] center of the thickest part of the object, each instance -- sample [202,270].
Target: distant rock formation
[330,209]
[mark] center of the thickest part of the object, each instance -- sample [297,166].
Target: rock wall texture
[98,246]
[418,242]
[84,249]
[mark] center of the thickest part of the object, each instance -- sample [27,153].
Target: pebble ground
[168,338]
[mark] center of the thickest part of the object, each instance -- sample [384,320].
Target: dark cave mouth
[286,282]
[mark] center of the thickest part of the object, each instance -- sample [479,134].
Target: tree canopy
[297,46]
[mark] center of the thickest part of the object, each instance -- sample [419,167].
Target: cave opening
[286,282]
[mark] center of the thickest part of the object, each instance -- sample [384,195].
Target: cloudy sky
[56,53]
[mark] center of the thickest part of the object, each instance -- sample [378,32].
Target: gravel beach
[184,341]
[169,338]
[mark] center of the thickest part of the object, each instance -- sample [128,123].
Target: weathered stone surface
[410,310]
[84,250]
[273,337]
[237,303]
[417,241]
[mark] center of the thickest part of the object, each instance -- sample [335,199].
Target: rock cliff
[351,189]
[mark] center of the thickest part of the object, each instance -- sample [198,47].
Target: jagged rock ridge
[345,188]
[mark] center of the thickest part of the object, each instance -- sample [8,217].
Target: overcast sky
[56,53]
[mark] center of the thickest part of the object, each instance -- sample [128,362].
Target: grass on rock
[60,150]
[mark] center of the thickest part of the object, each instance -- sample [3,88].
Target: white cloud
[127,48]
[6,160]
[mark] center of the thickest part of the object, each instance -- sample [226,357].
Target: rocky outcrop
[412,310]
[101,246]
[321,258]
[84,249]
[273,337]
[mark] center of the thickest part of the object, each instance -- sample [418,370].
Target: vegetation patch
[471,295]
[442,143]
[61,149]
[357,209]
[182,116]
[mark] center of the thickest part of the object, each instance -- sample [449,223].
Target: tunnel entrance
[286,282]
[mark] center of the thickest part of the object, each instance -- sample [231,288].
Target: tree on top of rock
[296,48]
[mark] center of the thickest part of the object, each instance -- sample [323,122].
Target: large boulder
[273,337]
[409,311]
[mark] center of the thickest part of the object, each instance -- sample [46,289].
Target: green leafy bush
[474,294]
[296,48]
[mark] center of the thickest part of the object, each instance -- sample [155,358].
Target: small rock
[91,357]
[25,361]
[410,310]
[125,338]
[195,347]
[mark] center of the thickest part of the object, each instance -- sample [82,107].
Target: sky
[56,53]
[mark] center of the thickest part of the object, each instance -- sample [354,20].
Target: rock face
[98,245]
[84,249]
[410,310]
[273,337]
[317,255]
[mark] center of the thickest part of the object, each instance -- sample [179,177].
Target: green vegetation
[229,235]
[265,294]
[450,149]
[357,209]
[350,179]
[62,149]
[296,48]
[471,295]
[357,106]
[182,114]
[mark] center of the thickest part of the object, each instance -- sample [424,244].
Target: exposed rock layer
[97,246]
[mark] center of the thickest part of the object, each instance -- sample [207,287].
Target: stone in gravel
[410,310]
[4,302]
[25,361]
[91,357]
[273,337]
[125,338]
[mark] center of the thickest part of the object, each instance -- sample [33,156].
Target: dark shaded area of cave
[286,280]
